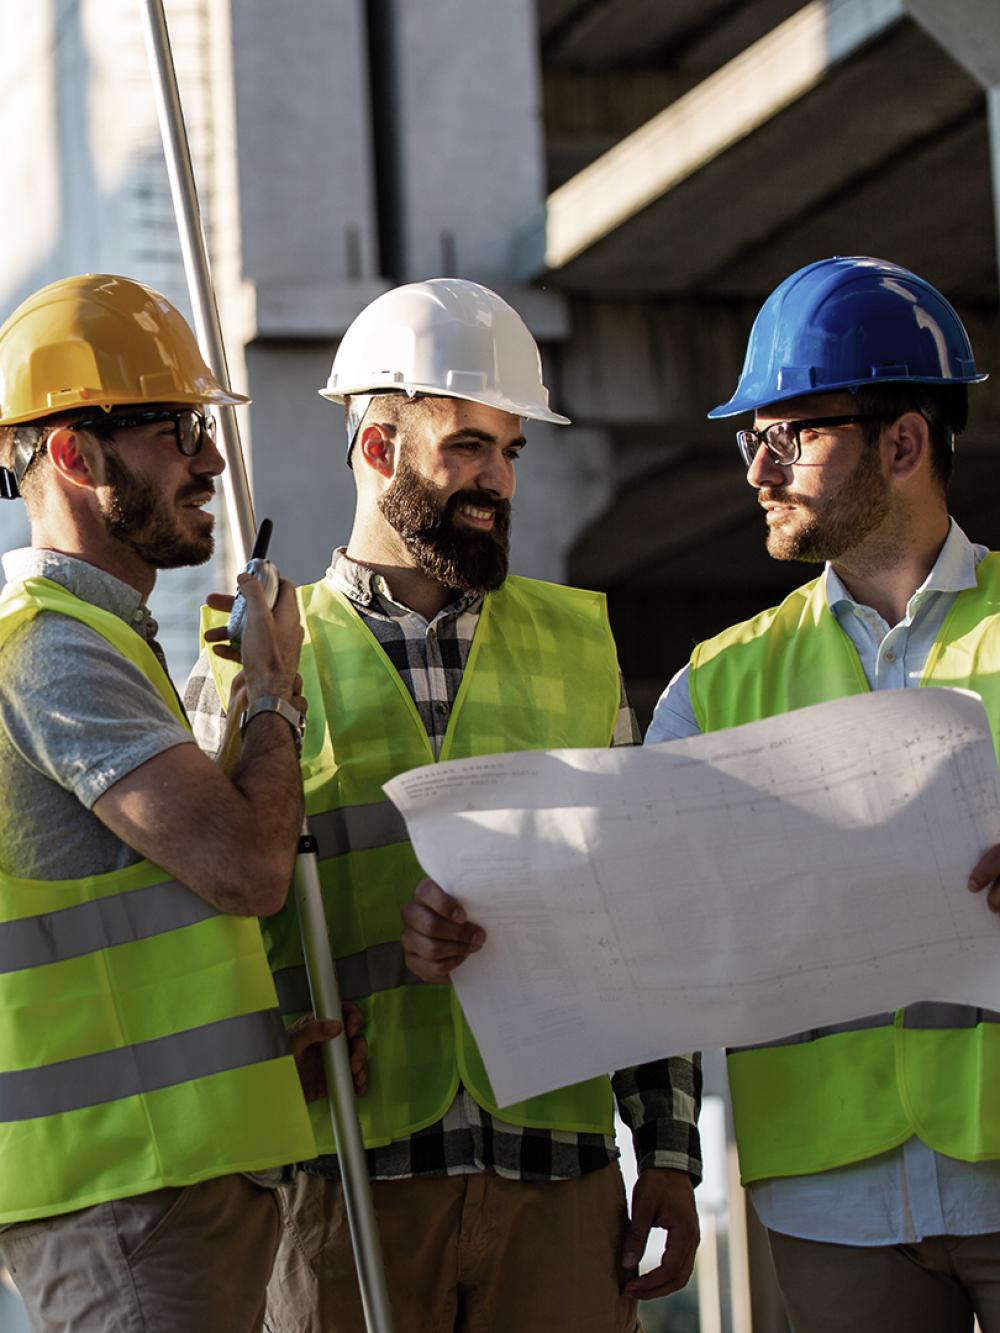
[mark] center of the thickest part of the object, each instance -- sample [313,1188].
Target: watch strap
[270,703]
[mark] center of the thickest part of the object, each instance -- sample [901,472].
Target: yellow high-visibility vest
[822,1099]
[542,673]
[140,1041]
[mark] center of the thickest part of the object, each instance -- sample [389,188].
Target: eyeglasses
[783,439]
[191,428]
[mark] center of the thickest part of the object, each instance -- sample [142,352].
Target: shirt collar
[954,570]
[85,581]
[365,587]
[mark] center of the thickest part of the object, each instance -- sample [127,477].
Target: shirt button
[441,709]
[889,655]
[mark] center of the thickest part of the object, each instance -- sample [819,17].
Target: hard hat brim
[526,411]
[740,403]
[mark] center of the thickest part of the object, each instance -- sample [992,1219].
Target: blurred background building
[633,175]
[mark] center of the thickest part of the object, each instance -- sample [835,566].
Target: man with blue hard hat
[872,1149]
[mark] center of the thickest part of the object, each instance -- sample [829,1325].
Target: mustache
[782,497]
[196,491]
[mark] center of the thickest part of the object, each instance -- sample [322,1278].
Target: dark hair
[27,440]
[945,408]
[391,409]
[30,439]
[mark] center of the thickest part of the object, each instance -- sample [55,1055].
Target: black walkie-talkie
[264,572]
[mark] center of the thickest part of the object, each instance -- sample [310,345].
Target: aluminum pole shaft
[239,506]
[235,483]
[336,1064]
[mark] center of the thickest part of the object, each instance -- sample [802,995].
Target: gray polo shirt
[75,717]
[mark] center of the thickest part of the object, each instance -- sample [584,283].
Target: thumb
[637,1235]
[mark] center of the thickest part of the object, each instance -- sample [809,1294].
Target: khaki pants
[464,1254]
[934,1286]
[192,1260]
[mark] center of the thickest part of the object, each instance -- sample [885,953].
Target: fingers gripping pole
[239,509]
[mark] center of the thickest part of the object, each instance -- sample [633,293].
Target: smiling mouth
[477,514]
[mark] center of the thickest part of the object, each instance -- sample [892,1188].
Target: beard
[141,518]
[467,560]
[822,530]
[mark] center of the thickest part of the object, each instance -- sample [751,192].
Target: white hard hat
[445,336]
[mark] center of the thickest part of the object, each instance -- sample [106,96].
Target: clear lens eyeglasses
[783,439]
[191,427]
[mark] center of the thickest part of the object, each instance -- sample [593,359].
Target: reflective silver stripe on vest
[928,1015]
[70,932]
[922,1015]
[357,828]
[359,974]
[92,1080]
[813,1034]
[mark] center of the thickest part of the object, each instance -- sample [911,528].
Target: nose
[209,461]
[766,471]
[496,474]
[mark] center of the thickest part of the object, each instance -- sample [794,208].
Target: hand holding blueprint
[723,890]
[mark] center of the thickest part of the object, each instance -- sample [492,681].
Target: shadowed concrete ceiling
[883,151]
[681,34]
[893,131]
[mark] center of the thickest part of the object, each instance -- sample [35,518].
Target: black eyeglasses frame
[749,441]
[189,441]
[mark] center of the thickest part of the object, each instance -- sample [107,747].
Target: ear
[910,440]
[375,446]
[75,457]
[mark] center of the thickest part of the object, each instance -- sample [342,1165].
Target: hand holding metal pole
[239,508]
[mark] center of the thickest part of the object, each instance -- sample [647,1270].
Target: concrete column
[84,164]
[459,91]
[969,30]
[303,142]
[297,247]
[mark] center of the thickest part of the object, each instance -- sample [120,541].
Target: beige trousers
[192,1260]
[464,1254]
[934,1286]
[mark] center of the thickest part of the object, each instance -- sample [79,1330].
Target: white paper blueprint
[718,891]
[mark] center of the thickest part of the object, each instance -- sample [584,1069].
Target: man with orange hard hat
[144,1068]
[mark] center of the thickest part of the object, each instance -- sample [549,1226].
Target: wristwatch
[270,703]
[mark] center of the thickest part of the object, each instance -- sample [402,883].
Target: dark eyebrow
[471,433]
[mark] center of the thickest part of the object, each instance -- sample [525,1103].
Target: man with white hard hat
[871,1148]
[420,647]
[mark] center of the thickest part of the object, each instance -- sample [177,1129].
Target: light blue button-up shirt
[911,1192]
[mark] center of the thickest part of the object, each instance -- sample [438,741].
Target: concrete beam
[969,30]
[725,108]
[300,308]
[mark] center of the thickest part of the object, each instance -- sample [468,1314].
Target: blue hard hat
[844,322]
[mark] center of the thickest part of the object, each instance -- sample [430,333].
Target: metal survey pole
[239,509]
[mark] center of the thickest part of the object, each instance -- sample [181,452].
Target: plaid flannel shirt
[659,1102]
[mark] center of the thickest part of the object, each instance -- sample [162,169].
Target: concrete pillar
[83,161]
[969,30]
[564,480]
[303,142]
[297,246]
[458,87]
